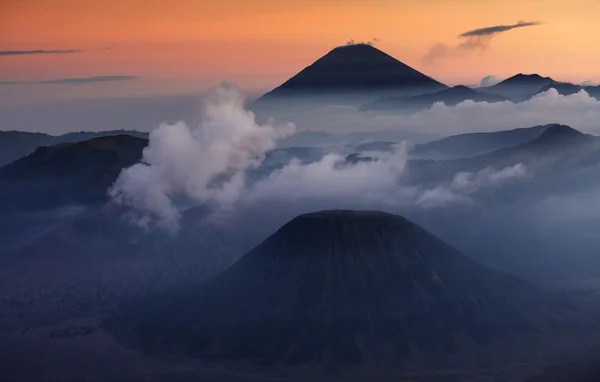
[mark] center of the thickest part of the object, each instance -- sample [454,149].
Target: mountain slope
[558,158]
[68,173]
[355,68]
[17,144]
[450,97]
[341,287]
[474,144]
[520,87]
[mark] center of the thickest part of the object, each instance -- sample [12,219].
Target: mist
[197,164]
[208,164]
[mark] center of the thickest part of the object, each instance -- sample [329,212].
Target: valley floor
[47,354]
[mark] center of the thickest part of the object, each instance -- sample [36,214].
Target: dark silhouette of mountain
[520,87]
[359,68]
[557,156]
[474,144]
[343,287]
[562,88]
[17,144]
[568,89]
[68,173]
[558,135]
[450,97]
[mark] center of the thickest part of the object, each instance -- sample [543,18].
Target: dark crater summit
[342,287]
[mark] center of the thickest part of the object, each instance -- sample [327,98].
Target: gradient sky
[180,46]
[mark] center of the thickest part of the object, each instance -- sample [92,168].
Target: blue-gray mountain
[358,69]
[344,287]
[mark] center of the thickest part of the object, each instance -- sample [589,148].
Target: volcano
[80,172]
[342,287]
[359,68]
[520,87]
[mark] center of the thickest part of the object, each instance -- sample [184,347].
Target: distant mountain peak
[557,129]
[463,87]
[521,78]
[560,134]
[342,287]
[358,68]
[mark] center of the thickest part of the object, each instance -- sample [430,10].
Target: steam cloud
[579,110]
[589,83]
[471,40]
[489,81]
[465,184]
[373,42]
[189,165]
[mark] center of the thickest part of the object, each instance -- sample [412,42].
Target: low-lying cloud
[206,164]
[476,39]
[579,110]
[192,165]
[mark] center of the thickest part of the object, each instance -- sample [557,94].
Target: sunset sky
[182,46]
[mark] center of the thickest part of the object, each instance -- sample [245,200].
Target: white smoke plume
[465,184]
[333,182]
[372,42]
[334,179]
[190,165]
[489,81]
[469,183]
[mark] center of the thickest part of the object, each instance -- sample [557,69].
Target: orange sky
[188,45]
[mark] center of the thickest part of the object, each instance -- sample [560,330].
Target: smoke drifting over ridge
[186,166]
[373,42]
[471,40]
[489,81]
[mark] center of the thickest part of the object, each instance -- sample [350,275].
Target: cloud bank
[579,110]
[186,166]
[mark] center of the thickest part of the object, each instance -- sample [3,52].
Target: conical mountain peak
[356,68]
[342,287]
